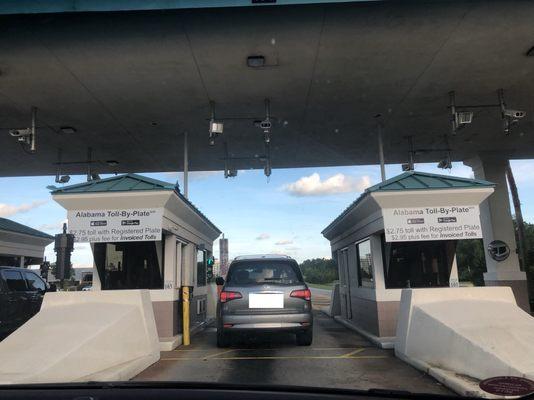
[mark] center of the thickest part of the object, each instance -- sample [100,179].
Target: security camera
[515,114]
[266,125]
[20,133]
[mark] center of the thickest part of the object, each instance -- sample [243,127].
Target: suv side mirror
[219,281]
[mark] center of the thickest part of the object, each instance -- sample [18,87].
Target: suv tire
[305,338]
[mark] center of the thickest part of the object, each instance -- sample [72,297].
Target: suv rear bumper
[278,322]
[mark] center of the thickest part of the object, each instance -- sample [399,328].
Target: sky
[281,214]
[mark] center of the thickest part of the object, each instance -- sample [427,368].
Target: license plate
[266,300]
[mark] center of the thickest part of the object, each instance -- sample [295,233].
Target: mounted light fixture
[407,167]
[60,178]
[216,127]
[446,163]
[67,130]
[229,170]
[458,118]
[256,61]
[112,163]
[410,165]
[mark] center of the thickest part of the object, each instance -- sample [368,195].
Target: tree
[69,273]
[319,270]
[471,261]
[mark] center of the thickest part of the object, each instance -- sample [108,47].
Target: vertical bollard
[185,309]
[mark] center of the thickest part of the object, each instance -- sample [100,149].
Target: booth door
[344,286]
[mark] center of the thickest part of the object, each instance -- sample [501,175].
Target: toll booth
[145,234]
[20,245]
[401,233]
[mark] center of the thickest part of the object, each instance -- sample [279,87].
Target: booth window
[365,265]
[418,264]
[201,268]
[129,265]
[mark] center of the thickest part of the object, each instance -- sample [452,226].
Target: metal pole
[186,167]
[185,309]
[381,153]
[34,127]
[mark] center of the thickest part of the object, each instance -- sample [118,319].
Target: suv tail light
[301,294]
[227,296]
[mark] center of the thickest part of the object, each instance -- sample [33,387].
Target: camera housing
[20,133]
[514,114]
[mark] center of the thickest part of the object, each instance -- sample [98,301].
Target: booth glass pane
[128,265]
[201,268]
[417,264]
[365,265]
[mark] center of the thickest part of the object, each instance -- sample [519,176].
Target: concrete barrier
[83,336]
[463,335]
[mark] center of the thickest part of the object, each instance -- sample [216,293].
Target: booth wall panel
[166,315]
[370,225]
[388,312]
[365,315]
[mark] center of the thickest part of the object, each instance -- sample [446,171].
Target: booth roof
[414,180]
[119,183]
[127,183]
[12,226]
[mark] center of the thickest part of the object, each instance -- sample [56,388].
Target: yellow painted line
[218,354]
[180,350]
[352,353]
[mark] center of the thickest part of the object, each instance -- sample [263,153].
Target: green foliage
[319,270]
[471,262]
[69,273]
[529,246]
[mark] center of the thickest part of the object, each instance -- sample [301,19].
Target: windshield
[263,272]
[317,193]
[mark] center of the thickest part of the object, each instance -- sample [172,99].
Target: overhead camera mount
[266,125]
[461,117]
[27,136]
[216,127]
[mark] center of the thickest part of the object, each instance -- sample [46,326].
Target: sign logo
[498,250]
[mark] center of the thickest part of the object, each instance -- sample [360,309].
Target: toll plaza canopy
[21,245]
[128,84]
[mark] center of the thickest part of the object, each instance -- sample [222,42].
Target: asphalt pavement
[338,357]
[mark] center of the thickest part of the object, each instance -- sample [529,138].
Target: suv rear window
[14,281]
[259,272]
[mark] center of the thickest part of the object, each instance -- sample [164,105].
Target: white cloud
[263,236]
[340,183]
[8,210]
[284,242]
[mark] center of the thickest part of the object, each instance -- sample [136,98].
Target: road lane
[338,357]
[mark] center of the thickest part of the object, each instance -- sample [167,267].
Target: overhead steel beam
[61,6]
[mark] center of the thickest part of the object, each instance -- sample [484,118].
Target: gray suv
[264,293]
